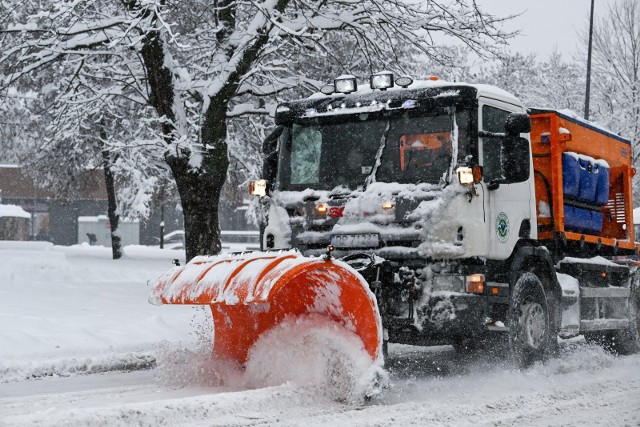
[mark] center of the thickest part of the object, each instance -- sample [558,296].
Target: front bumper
[444,319]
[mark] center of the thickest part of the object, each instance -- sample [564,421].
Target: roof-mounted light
[345,84]
[328,89]
[382,80]
[404,81]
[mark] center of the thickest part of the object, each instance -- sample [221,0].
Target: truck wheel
[529,324]
[627,341]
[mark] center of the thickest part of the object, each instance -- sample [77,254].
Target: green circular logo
[502,227]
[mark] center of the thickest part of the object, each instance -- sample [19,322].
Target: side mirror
[517,123]
[270,153]
[514,159]
[258,187]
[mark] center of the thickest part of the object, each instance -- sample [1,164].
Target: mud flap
[251,293]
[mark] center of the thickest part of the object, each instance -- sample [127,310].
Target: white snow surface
[595,260]
[13,211]
[80,346]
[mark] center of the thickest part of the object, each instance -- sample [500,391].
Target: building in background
[56,219]
[96,230]
[52,217]
[14,223]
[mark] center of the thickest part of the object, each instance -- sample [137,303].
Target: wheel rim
[533,324]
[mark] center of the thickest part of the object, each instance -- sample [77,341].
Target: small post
[162,217]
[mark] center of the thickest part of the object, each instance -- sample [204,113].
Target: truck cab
[431,191]
[371,170]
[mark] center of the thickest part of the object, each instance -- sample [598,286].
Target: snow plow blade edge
[251,293]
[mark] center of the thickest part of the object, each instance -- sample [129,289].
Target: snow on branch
[244,109]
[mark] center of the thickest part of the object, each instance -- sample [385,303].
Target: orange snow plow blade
[251,293]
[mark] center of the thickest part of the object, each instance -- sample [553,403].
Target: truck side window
[493,120]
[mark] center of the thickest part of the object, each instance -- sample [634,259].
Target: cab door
[508,205]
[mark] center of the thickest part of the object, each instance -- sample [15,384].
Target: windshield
[411,149]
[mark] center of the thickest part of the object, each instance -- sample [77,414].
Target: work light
[404,81]
[382,80]
[328,89]
[345,84]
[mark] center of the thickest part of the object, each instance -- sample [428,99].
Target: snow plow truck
[428,213]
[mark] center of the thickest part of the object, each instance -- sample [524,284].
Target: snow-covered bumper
[446,317]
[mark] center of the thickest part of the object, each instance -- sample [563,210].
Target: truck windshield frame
[323,153]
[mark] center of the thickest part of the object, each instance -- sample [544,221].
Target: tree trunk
[114,218]
[199,192]
[161,200]
[200,187]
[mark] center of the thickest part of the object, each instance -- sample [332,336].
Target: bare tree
[545,83]
[616,71]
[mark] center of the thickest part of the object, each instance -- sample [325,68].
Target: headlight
[321,210]
[346,84]
[382,80]
[258,188]
[468,176]
[465,175]
[475,283]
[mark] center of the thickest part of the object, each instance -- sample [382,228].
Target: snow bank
[64,367]
[66,310]
[16,245]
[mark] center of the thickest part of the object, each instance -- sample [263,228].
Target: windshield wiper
[371,178]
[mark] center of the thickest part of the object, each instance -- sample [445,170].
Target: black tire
[530,332]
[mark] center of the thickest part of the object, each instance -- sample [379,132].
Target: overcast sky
[546,25]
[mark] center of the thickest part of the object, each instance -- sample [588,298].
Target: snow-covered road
[80,346]
[585,386]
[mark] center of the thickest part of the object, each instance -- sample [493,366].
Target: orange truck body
[552,135]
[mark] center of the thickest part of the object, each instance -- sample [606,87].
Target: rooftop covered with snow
[13,211]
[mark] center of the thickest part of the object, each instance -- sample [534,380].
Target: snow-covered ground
[80,345]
